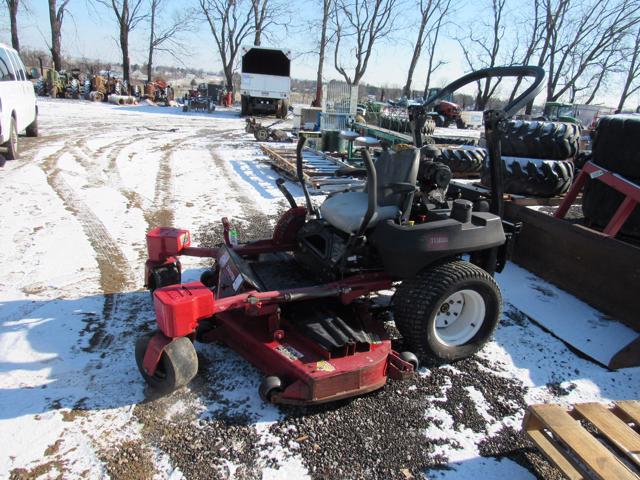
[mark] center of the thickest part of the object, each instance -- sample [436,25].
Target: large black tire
[460,123]
[463,159]
[450,140]
[420,300]
[178,364]
[599,204]
[12,144]
[538,178]
[616,145]
[32,130]
[546,140]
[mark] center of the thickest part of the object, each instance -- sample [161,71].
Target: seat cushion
[345,211]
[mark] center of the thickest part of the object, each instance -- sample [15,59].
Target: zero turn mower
[299,305]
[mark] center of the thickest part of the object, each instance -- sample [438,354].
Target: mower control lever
[372,191]
[300,173]
[285,192]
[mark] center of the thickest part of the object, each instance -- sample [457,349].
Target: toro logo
[438,242]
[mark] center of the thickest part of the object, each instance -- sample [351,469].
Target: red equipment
[622,185]
[250,321]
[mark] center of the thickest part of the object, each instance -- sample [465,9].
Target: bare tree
[129,14]
[326,11]
[164,38]
[432,13]
[12,5]
[362,23]
[533,26]
[56,15]
[483,50]
[579,35]
[266,14]
[432,43]
[231,23]
[631,83]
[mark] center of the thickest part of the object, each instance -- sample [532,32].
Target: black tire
[439,120]
[261,134]
[599,204]
[464,159]
[545,140]
[12,143]
[32,130]
[163,277]
[429,127]
[411,358]
[616,145]
[446,123]
[460,124]
[178,364]
[582,158]
[244,106]
[268,387]
[418,300]
[539,178]
[447,140]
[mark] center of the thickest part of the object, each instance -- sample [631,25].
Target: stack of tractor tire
[537,158]
[616,147]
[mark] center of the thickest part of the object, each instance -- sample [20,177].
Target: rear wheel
[12,144]
[460,123]
[448,311]
[261,134]
[177,367]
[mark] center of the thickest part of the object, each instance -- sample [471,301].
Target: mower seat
[396,174]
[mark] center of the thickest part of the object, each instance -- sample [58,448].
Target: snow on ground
[75,212]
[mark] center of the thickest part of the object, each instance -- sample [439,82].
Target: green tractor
[560,112]
[55,83]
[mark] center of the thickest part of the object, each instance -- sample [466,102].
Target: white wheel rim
[459,317]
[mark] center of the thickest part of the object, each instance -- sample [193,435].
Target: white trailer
[265,84]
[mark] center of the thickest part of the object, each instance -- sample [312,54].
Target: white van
[18,109]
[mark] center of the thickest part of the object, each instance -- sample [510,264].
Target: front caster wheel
[448,311]
[178,364]
[164,276]
[268,387]
[410,358]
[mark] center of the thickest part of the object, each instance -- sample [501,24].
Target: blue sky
[90,31]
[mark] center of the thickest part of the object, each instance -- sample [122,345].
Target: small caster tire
[410,358]
[208,278]
[163,277]
[268,387]
[178,364]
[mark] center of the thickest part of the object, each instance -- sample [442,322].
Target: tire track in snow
[115,272]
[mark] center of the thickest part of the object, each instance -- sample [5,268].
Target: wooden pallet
[609,448]
[318,168]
